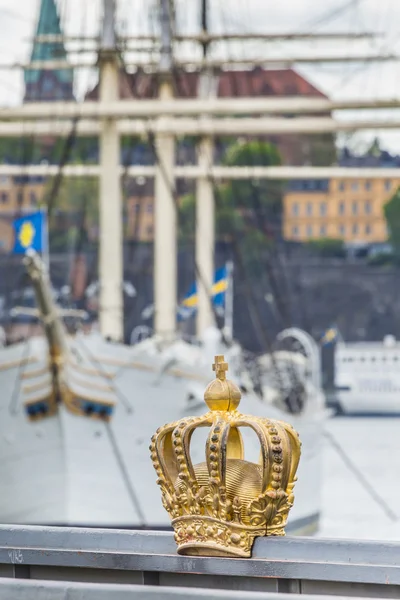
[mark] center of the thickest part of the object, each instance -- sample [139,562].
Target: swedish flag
[330,336]
[189,303]
[30,233]
[220,286]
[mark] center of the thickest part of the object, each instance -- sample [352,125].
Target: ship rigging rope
[254,312]
[283,301]
[257,209]
[332,14]
[65,156]
[172,188]
[283,304]
[124,473]
[373,494]
[174,198]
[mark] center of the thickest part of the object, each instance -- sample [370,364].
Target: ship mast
[110,201]
[165,217]
[205,206]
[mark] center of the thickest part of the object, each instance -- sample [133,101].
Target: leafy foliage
[34,151]
[242,205]
[327,247]
[247,211]
[392,215]
[75,211]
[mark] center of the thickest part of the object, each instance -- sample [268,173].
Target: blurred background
[300,219]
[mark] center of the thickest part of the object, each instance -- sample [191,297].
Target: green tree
[248,211]
[263,196]
[242,205]
[322,149]
[29,149]
[392,215]
[73,211]
[328,247]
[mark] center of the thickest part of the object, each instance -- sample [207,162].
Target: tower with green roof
[42,84]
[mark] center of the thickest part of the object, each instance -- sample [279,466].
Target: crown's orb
[222,394]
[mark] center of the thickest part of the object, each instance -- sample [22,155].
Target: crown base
[208,536]
[212,549]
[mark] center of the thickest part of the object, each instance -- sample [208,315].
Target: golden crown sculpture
[218,507]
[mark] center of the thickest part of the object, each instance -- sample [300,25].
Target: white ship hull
[367,377]
[73,470]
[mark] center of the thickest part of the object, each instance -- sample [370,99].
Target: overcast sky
[379,80]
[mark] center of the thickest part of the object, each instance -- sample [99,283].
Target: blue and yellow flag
[189,303]
[220,286]
[30,233]
[330,336]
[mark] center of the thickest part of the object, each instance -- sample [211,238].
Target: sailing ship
[77,413]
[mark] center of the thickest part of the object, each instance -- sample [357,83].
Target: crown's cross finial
[220,367]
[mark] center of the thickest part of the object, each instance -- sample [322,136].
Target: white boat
[367,377]
[76,425]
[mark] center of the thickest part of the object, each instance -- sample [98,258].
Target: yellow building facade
[351,210]
[18,195]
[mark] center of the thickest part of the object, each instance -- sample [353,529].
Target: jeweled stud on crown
[218,507]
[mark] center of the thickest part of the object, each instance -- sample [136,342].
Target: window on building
[354,208]
[295,209]
[342,186]
[20,198]
[150,208]
[150,230]
[309,208]
[368,229]
[32,198]
[4,197]
[309,230]
[322,230]
[342,230]
[368,207]
[354,186]
[368,185]
[388,185]
[355,229]
[295,231]
[137,208]
[322,209]
[341,208]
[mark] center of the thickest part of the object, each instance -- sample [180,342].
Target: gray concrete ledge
[148,552]
[49,590]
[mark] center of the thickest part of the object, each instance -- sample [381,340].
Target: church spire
[43,84]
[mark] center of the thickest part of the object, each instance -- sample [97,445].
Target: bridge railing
[146,558]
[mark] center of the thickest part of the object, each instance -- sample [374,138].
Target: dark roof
[382,159]
[234,83]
